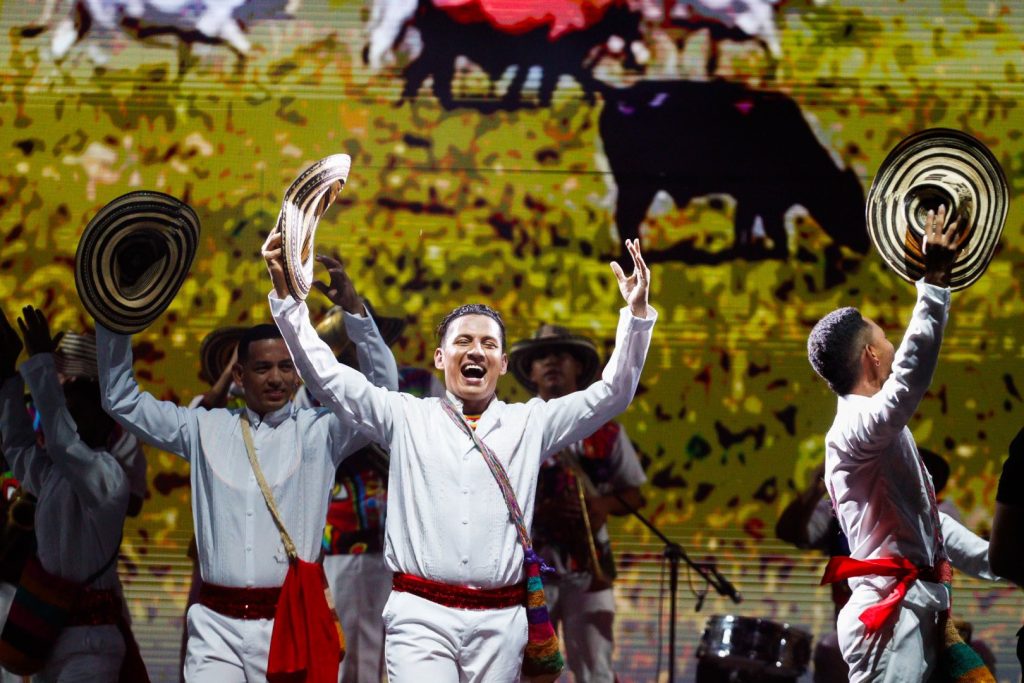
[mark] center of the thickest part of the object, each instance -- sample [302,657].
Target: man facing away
[577,489]
[83,494]
[457,609]
[241,556]
[891,627]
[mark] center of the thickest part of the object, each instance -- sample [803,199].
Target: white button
[249,513]
[466,491]
[248,548]
[465,521]
[465,560]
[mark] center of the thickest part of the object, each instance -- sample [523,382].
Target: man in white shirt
[241,556]
[890,629]
[83,495]
[457,612]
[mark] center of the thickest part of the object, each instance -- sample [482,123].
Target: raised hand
[635,287]
[340,291]
[274,257]
[36,332]
[940,247]
[10,348]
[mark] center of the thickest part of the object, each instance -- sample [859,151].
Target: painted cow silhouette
[445,38]
[693,139]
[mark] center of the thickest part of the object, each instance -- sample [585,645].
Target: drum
[760,647]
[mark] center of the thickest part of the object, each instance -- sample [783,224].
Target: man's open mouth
[473,371]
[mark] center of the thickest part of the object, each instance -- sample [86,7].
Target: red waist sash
[905,572]
[460,597]
[240,603]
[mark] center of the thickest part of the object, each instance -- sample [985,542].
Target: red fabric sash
[460,597]
[240,603]
[306,641]
[906,572]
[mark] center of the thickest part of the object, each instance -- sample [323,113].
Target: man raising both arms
[456,612]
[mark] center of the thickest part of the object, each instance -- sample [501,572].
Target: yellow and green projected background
[501,162]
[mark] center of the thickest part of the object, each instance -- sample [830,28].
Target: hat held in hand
[133,257]
[935,167]
[309,196]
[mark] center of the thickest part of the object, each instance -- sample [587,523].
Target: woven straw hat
[930,168]
[215,352]
[76,356]
[550,338]
[309,196]
[133,257]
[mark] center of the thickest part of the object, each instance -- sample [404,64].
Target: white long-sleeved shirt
[447,520]
[298,451]
[879,485]
[82,492]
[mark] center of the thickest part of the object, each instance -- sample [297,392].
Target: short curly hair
[832,348]
[471,309]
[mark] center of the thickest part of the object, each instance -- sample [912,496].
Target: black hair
[254,334]
[470,309]
[833,348]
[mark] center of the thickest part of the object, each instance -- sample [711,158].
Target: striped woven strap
[500,476]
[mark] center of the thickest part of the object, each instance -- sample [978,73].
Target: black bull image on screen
[693,139]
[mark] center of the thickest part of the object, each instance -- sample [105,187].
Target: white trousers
[85,653]
[360,585]
[903,652]
[225,650]
[426,642]
[586,620]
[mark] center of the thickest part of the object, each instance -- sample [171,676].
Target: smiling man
[241,557]
[457,610]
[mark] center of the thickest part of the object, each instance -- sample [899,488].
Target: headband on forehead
[934,167]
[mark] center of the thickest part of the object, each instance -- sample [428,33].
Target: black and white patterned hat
[133,257]
[928,169]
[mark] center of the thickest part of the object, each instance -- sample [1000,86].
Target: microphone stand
[675,554]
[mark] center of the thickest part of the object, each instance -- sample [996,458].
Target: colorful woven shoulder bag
[542,661]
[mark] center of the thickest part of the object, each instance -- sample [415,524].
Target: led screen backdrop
[502,157]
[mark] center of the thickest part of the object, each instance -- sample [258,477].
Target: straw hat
[133,257]
[309,196]
[215,352]
[930,168]
[550,338]
[331,328]
[75,356]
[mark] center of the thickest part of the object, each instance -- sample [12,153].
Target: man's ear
[236,373]
[439,359]
[504,364]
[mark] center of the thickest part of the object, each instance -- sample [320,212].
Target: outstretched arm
[966,551]
[349,395]
[579,414]
[159,423]
[17,438]
[94,475]
[914,364]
